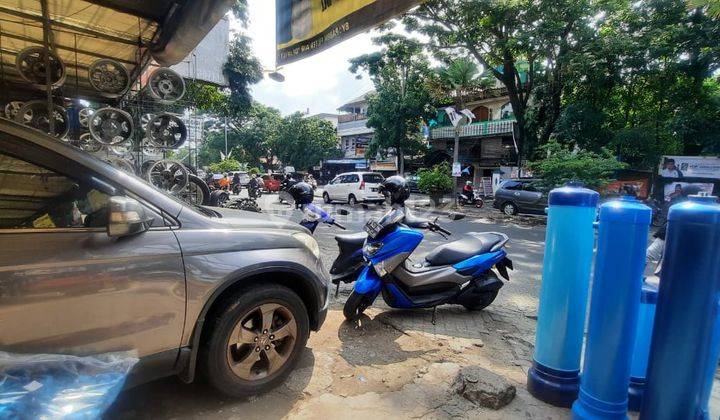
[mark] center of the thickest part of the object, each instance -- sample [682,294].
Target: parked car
[354,187]
[272,182]
[520,196]
[412,183]
[95,260]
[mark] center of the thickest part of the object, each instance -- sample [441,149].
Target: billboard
[689,167]
[306,27]
[674,190]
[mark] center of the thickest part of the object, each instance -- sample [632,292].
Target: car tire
[352,200]
[509,208]
[222,362]
[326,198]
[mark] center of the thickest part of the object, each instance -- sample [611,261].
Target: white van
[354,187]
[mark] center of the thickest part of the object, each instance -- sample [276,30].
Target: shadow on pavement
[370,342]
[171,398]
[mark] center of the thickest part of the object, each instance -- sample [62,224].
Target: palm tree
[460,75]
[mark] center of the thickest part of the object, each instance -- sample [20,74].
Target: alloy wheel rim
[508,210]
[262,341]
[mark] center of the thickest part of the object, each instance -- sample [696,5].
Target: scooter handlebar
[338,225]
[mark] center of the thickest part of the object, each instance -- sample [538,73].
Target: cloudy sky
[321,82]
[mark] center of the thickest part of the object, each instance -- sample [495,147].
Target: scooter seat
[351,241]
[474,243]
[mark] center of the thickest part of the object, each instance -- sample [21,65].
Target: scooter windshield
[392,217]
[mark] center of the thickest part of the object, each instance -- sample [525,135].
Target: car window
[349,179]
[529,187]
[512,185]
[35,197]
[373,178]
[338,179]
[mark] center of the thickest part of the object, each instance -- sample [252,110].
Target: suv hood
[250,220]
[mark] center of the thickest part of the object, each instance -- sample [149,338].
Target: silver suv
[95,260]
[520,196]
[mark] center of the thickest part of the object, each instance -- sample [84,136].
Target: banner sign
[689,167]
[675,189]
[306,27]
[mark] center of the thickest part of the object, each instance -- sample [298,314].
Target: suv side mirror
[126,217]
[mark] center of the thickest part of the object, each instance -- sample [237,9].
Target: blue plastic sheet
[61,386]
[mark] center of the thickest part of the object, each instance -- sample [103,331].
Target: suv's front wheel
[256,340]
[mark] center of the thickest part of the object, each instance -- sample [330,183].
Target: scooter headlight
[371,248]
[309,242]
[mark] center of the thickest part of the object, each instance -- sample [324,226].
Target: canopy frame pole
[47,34]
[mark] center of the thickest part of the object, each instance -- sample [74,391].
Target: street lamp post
[458,120]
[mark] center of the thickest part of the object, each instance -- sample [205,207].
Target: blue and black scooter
[349,262]
[459,272]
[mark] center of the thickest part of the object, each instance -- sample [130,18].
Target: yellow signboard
[306,27]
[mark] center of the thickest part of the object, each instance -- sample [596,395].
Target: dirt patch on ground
[392,364]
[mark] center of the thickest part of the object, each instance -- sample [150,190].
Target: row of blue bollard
[681,357]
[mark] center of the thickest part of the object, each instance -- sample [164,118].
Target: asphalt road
[525,248]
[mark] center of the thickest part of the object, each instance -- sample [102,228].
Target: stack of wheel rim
[108,130]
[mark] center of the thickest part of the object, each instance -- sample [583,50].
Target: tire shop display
[108,131]
[109,77]
[12,108]
[168,175]
[35,114]
[165,86]
[32,62]
[111,126]
[167,131]
[84,116]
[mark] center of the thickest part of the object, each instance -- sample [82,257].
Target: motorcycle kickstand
[337,289]
[434,315]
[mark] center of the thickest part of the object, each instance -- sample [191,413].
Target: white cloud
[321,82]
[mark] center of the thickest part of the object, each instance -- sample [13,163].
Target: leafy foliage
[226,165]
[562,164]
[400,73]
[436,180]
[250,138]
[304,141]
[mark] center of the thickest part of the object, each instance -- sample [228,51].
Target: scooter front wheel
[356,305]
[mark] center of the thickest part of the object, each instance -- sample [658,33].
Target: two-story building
[354,137]
[487,144]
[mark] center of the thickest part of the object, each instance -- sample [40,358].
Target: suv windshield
[373,178]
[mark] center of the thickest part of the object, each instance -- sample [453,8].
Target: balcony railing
[478,129]
[351,117]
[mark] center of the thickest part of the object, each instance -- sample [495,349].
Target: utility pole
[226,149]
[456,159]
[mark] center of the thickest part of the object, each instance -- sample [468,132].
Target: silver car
[95,260]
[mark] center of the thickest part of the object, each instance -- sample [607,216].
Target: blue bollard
[643,334]
[684,340]
[555,374]
[614,305]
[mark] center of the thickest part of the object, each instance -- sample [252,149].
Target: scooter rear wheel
[481,300]
[355,306]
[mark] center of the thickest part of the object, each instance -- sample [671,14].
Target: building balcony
[478,129]
[354,127]
[351,117]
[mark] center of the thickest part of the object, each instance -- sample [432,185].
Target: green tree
[226,165]
[561,163]
[400,74]
[460,75]
[250,137]
[516,41]
[436,181]
[303,142]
